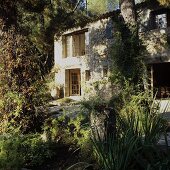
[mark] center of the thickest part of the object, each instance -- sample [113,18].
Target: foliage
[127,55]
[128,152]
[70,129]
[164,2]
[39,21]
[18,151]
[143,118]
[22,87]
[94,103]
[134,146]
[114,156]
[65,101]
[101,6]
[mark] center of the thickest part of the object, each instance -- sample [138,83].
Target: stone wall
[98,49]
[154,39]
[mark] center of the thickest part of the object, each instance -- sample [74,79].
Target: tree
[22,88]
[164,2]
[127,48]
[128,12]
[101,6]
[26,44]
[40,20]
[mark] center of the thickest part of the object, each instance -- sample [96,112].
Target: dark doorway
[161,80]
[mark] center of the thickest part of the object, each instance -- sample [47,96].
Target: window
[75,83]
[78,45]
[105,71]
[161,81]
[161,21]
[72,82]
[73,45]
[66,44]
[87,75]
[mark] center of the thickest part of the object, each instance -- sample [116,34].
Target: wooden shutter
[63,47]
[77,45]
[82,44]
[67,83]
[73,45]
[68,46]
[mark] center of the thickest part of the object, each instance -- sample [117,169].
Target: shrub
[24,151]
[71,129]
[134,143]
[22,87]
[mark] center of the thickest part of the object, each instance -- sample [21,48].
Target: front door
[75,82]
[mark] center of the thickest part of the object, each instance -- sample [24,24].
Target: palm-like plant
[134,147]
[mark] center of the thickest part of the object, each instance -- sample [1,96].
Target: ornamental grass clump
[134,144]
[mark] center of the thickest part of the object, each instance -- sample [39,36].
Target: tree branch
[76,6]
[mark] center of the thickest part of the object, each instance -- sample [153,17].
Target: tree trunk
[8,12]
[103,123]
[128,12]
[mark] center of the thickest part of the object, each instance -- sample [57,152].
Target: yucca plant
[142,112]
[134,146]
[116,154]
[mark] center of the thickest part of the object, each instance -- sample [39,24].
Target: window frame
[80,44]
[155,13]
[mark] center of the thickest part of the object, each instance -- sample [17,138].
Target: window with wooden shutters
[66,46]
[73,45]
[160,19]
[82,44]
[78,44]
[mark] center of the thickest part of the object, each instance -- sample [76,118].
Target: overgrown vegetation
[22,87]
[71,129]
[133,142]
[124,131]
[18,151]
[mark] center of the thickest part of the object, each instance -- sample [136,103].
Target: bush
[17,151]
[71,129]
[22,87]
[134,143]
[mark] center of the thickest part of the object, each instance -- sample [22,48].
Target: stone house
[84,54]
[83,57]
[155,33]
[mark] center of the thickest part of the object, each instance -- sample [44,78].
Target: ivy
[127,54]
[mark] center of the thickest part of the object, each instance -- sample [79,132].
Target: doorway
[74,83]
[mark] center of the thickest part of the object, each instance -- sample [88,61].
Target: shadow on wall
[99,56]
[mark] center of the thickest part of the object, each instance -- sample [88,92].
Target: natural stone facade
[155,32]
[155,35]
[93,66]
[85,71]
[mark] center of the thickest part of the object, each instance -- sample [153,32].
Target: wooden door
[75,82]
